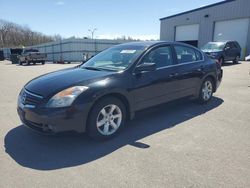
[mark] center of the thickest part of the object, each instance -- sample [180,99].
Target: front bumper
[54,120]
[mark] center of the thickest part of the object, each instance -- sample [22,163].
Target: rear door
[159,86]
[190,69]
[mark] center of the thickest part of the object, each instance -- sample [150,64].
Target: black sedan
[99,96]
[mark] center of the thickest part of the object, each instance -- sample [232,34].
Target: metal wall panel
[72,49]
[230,29]
[206,18]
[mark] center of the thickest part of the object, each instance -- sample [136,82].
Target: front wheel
[206,91]
[106,118]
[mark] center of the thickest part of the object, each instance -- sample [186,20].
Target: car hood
[51,83]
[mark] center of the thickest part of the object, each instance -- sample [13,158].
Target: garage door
[188,34]
[232,30]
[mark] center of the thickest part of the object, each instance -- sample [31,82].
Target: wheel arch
[213,81]
[120,97]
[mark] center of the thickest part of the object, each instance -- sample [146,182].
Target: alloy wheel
[207,90]
[109,119]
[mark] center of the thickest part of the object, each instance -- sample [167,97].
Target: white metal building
[226,20]
[72,50]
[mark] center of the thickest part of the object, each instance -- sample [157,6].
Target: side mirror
[145,67]
[227,48]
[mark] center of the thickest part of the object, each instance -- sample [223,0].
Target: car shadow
[228,64]
[54,152]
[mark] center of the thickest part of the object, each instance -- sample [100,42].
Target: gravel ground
[181,144]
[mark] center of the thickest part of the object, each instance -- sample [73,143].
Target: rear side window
[187,55]
[237,45]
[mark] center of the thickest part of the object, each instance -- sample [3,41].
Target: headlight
[66,97]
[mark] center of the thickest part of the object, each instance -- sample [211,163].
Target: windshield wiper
[92,68]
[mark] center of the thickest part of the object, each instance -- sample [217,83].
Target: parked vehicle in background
[15,53]
[223,51]
[1,55]
[6,53]
[32,56]
[101,94]
[247,58]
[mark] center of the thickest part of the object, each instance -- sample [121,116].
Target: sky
[112,18]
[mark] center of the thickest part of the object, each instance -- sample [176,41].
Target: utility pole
[92,32]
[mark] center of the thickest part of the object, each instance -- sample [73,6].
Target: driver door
[229,51]
[159,86]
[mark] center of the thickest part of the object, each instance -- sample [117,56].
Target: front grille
[29,98]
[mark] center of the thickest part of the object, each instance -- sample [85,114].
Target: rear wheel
[106,118]
[43,62]
[206,90]
[236,60]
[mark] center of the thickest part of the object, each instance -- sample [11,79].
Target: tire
[20,63]
[206,91]
[43,62]
[102,124]
[222,61]
[236,60]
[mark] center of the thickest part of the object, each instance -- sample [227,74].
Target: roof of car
[215,42]
[151,43]
[224,42]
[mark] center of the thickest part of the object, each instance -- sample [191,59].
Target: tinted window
[234,44]
[237,45]
[162,57]
[186,54]
[231,45]
[198,55]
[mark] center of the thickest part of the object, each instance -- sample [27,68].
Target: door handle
[200,69]
[173,75]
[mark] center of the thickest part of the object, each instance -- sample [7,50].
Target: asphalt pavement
[181,144]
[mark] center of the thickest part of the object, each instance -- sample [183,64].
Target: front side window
[232,45]
[117,58]
[228,46]
[161,56]
[186,54]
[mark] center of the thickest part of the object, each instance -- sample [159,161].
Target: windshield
[213,46]
[117,58]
